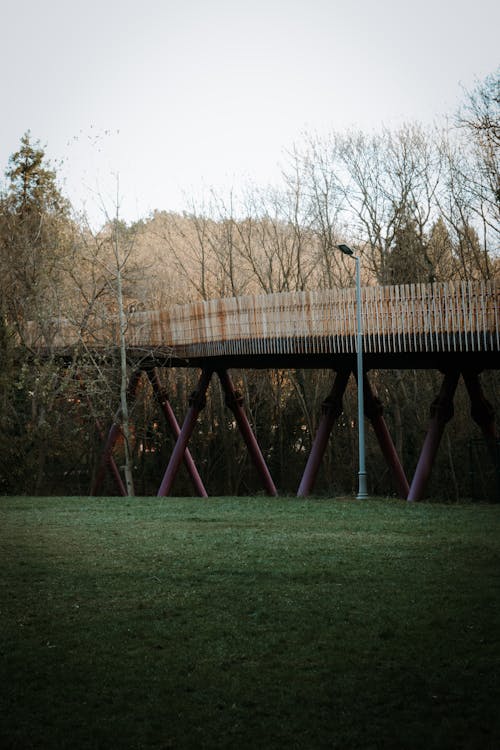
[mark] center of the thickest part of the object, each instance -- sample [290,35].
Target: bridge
[450,327]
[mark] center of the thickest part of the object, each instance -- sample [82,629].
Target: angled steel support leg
[483,414]
[168,412]
[482,411]
[441,413]
[234,401]
[331,410]
[107,461]
[374,411]
[196,404]
[96,485]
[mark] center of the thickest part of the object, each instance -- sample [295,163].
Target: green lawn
[248,623]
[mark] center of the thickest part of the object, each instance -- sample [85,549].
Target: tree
[121,254]
[441,251]
[405,262]
[35,231]
[106,293]
[470,196]
[35,234]
[480,118]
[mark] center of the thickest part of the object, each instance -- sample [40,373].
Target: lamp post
[362,491]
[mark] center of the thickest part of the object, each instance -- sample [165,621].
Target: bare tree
[480,118]
[315,175]
[106,282]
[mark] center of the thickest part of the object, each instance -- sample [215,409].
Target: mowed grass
[248,623]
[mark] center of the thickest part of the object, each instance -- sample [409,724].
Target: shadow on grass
[248,623]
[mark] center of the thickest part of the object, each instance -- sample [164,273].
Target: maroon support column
[107,460]
[481,410]
[234,401]
[196,404]
[441,413]
[331,410]
[374,411]
[484,415]
[163,400]
[110,460]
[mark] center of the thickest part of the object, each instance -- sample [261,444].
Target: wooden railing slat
[441,317]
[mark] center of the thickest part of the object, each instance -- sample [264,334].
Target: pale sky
[175,95]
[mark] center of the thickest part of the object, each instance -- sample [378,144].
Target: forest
[417,204]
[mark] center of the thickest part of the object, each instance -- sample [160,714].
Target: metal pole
[362,491]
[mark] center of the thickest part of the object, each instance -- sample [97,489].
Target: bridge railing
[413,317]
[440,317]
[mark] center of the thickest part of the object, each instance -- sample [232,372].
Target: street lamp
[362,492]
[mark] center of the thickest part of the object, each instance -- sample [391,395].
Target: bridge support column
[481,410]
[441,413]
[331,410]
[163,400]
[234,401]
[374,410]
[483,414]
[197,402]
[107,460]
[100,433]
[115,431]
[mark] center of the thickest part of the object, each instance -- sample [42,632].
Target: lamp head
[345,249]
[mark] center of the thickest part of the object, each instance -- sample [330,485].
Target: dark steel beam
[234,401]
[374,410]
[331,410]
[197,403]
[107,461]
[164,402]
[113,468]
[441,413]
[482,411]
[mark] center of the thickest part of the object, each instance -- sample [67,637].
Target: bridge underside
[452,365]
[442,361]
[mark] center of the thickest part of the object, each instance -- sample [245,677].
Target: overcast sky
[173,95]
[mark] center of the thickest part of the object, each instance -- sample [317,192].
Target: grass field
[248,623]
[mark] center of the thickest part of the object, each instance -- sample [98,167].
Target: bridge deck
[416,324]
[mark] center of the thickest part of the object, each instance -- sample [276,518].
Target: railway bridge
[450,327]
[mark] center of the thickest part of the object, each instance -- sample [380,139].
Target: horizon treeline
[417,205]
